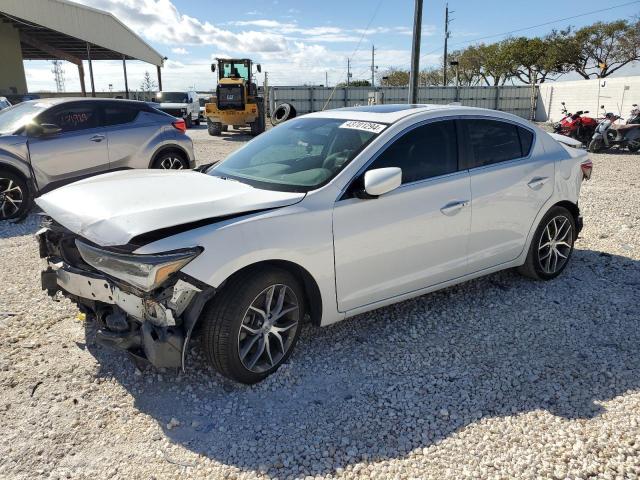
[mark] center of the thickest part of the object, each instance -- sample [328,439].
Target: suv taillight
[179,124]
[587,168]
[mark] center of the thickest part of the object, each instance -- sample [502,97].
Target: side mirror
[380,181]
[213,67]
[42,130]
[259,68]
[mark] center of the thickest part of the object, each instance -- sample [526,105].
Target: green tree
[393,77]
[535,60]
[601,49]
[148,86]
[356,83]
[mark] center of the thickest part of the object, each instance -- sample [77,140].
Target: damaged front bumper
[155,326]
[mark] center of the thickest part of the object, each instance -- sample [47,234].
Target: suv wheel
[253,324]
[15,199]
[188,121]
[170,161]
[551,246]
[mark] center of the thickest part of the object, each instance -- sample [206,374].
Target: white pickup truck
[180,104]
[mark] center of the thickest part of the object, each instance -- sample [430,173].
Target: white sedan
[324,217]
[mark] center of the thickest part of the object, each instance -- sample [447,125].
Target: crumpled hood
[113,208]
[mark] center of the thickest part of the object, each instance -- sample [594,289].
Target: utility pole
[348,71]
[415,53]
[326,79]
[373,65]
[446,40]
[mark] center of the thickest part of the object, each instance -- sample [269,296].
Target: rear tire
[252,326]
[258,126]
[551,246]
[188,121]
[634,146]
[15,196]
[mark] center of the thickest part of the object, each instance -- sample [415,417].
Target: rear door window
[119,114]
[492,141]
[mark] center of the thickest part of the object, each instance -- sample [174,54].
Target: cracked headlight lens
[145,272]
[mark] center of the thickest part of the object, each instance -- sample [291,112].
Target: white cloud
[179,51]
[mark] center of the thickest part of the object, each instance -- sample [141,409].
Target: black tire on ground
[594,146]
[188,121]
[554,224]
[215,129]
[634,147]
[223,319]
[197,121]
[15,196]
[170,160]
[225,128]
[282,113]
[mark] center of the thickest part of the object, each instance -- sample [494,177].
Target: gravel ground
[500,377]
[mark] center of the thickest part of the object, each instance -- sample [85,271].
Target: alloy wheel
[268,328]
[171,163]
[555,244]
[11,198]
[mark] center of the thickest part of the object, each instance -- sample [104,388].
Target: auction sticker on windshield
[366,126]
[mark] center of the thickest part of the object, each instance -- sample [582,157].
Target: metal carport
[60,29]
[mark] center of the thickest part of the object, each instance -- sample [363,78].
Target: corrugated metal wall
[512,99]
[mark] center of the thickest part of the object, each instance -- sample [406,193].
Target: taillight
[179,124]
[587,168]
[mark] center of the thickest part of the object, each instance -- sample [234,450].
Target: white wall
[616,94]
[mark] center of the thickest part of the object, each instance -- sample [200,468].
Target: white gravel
[500,377]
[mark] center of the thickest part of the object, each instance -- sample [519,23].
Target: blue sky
[305,41]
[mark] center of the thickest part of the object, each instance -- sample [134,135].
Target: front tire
[253,324]
[214,128]
[551,246]
[595,146]
[15,196]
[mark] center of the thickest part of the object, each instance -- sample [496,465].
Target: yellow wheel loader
[236,102]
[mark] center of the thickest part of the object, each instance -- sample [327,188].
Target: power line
[536,26]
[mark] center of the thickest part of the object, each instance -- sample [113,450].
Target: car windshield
[171,97]
[16,117]
[299,155]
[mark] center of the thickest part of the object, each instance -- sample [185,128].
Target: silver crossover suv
[47,143]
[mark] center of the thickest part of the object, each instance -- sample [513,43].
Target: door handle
[452,208]
[537,182]
[97,138]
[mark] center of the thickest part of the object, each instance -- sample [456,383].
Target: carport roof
[66,27]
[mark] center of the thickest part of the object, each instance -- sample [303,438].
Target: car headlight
[145,272]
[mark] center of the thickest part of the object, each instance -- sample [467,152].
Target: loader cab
[235,87]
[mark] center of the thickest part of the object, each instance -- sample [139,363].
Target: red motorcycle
[575,125]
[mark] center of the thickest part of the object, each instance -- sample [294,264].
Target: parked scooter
[608,134]
[575,125]
[634,116]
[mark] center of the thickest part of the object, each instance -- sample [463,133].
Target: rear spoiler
[572,142]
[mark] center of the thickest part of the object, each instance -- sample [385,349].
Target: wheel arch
[309,284]
[166,149]
[572,207]
[25,174]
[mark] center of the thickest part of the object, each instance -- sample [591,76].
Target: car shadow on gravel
[27,226]
[408,376]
